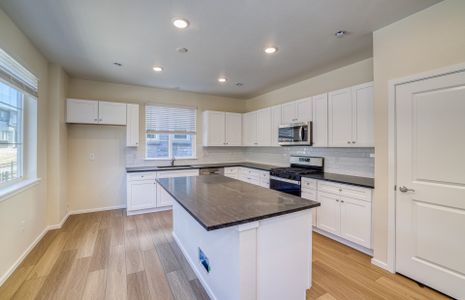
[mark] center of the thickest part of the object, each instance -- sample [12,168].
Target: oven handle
[285,180]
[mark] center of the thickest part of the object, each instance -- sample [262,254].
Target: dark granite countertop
[263,167]
[217,201]
[345,179]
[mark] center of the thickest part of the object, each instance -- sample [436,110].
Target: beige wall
[430,39]
[108,142]
[352,74]
[30,205]
[57,144]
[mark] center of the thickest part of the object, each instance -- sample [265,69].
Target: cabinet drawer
[178,173]
[329,187]
[345,190]
[264,175]
[308,183]
[356,192]
[250,172]
[141,176]
[231,170]
[309,195]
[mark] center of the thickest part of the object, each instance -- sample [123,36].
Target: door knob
[404,189]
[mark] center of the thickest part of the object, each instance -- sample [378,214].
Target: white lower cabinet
[249,175]
[356,221]
[345,210]
[329,213]
[143,193]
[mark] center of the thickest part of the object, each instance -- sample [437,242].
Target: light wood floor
[108,255]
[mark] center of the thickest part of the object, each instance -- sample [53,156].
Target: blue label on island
[204,260]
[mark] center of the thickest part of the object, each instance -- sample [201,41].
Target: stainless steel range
[287,180]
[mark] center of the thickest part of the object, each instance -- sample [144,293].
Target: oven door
[285,185]
[295,134]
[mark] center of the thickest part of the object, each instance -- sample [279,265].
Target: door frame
[390,265]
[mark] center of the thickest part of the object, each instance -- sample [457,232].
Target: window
[170,132]
[18,122]
[11,133]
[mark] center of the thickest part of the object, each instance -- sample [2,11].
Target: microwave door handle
[301,134]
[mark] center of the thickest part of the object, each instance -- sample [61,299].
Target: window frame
[171,138]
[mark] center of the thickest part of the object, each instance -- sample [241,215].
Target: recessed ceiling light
[271,50]
[180,23]
[222,79]
[158,69]
[341,33]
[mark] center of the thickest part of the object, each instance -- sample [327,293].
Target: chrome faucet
[172,161]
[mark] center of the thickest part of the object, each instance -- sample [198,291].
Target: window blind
[17,75]
[170,119]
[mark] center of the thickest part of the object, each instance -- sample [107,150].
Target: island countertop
[217,201]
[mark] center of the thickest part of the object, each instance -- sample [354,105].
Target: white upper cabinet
[297,111]
[264,127]
[132,126]
[111,113]
[340,118]
[249,129]
[214,128]
[289,113]
[363,110]
[82,111]
[233,129]
[320,120]
[275,122]
[222,129]
[304,110]
[350,114]
[95,112]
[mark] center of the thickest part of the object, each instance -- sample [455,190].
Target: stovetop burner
[300,166]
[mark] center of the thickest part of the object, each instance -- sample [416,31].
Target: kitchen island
[243,241]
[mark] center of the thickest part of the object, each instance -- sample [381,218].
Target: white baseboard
[59,225]
[381,264]
[344,241]
[194,268]
[90,210]
[148,210]
[23,256]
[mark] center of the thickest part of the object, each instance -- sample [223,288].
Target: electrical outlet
[91,156]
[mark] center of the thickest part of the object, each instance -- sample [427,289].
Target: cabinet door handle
[337,200]
[95,120]
[342,201]
[348,142]
[353,142]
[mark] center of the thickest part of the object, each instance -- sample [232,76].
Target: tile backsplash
[350,161]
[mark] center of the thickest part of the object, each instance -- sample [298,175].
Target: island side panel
[284,256]
[221,247]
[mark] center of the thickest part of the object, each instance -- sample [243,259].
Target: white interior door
[430,215]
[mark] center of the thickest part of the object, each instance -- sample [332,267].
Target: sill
[14,189]
[169,159]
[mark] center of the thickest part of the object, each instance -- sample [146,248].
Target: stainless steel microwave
[295,134]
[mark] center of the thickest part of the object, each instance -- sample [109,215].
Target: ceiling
[225,38]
